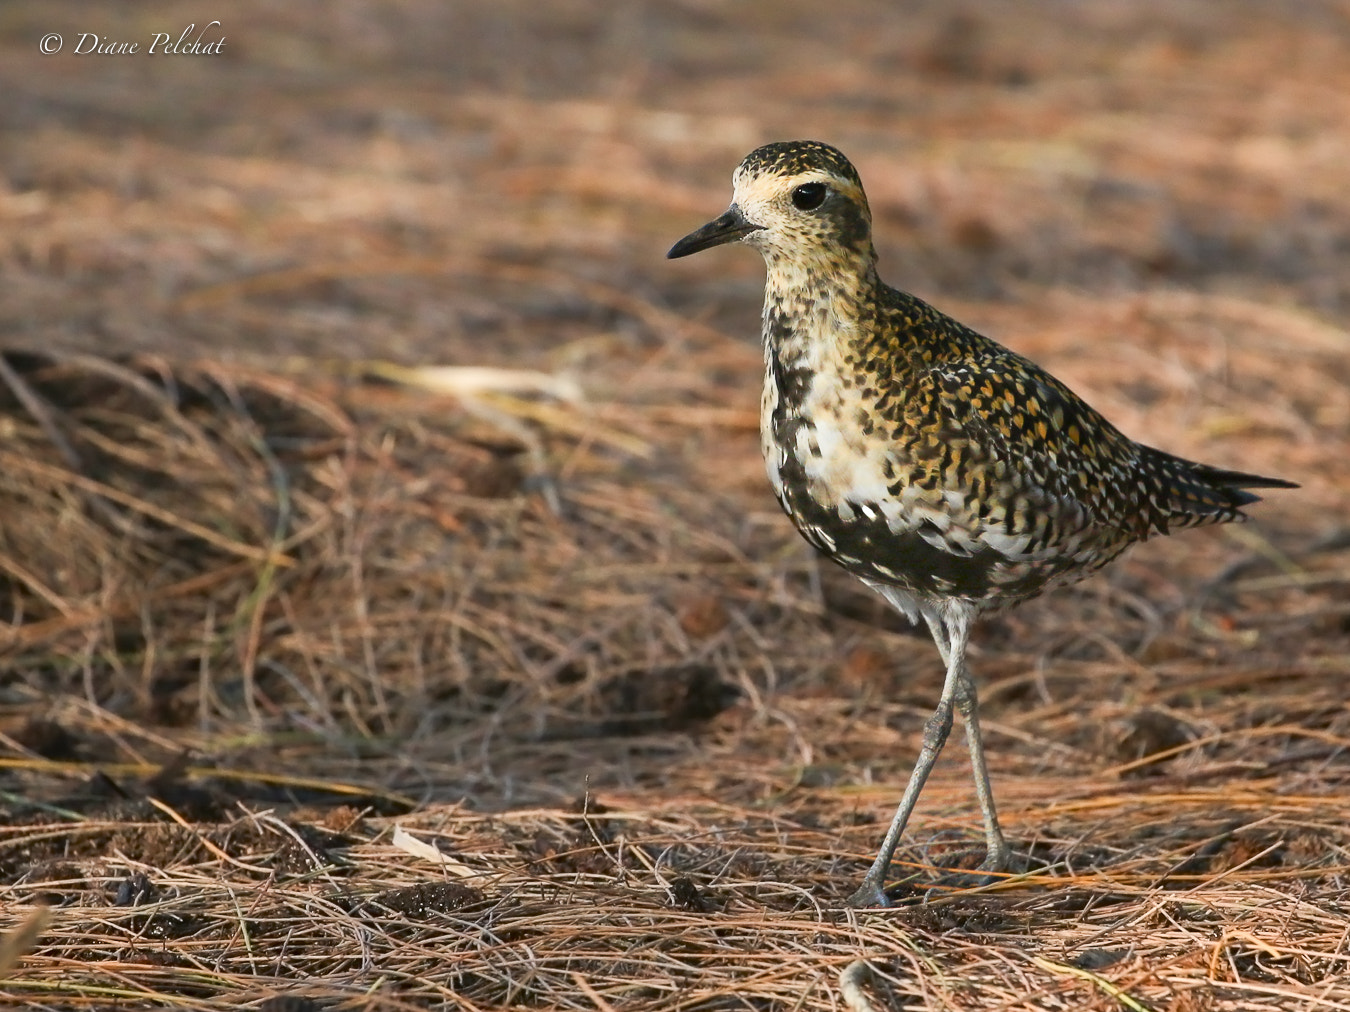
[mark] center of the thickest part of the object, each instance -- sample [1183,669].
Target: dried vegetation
[334,680]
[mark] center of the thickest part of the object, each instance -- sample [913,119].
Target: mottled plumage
[950,474]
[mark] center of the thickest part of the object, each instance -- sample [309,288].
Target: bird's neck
[814,313]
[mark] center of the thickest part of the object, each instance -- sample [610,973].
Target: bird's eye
[809,196]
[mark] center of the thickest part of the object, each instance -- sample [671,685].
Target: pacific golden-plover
[949,474]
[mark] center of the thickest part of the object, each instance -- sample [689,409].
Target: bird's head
[794,201]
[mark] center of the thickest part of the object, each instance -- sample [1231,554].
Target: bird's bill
[730,227]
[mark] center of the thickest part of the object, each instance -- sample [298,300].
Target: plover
[949,474]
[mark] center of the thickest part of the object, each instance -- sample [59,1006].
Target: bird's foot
[999,864]
[869,894]
[952,874]
[999,858]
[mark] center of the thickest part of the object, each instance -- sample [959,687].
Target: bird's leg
[997,855]
[939,633]
[871,893]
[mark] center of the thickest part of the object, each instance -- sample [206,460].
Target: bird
[949,474]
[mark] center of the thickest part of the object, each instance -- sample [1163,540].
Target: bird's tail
[1200,494]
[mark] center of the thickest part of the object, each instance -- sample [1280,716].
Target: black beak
[728,228]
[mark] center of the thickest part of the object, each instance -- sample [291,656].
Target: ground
[331,678]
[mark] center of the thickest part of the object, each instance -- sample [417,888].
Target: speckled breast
[850,498]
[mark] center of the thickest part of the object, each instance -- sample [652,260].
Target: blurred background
[1149,198]
[1008,150]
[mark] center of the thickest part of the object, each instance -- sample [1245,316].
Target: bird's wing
[1023,422]
[1042,446]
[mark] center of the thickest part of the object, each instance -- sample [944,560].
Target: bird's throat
[815,317]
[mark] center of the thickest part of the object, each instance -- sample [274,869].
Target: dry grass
[332,678]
